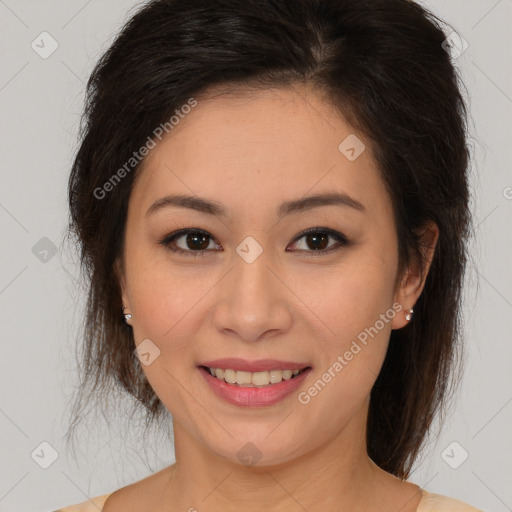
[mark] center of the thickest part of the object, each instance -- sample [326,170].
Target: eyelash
[339,237]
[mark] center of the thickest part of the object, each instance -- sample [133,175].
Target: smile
[262,388]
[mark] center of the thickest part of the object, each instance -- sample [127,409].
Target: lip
[251,396]
[261,365]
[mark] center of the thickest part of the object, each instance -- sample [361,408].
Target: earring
[408,314]
[127,316]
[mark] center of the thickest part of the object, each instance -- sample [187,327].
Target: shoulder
[431,502]
[92,505]
[135,496]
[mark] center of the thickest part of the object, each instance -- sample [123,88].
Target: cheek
[159,294]
[356,307]
[163,308]
[349,298]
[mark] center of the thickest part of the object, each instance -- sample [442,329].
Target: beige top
[429,503]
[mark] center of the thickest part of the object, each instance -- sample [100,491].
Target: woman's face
[260,289]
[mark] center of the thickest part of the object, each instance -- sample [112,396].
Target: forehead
[252,150]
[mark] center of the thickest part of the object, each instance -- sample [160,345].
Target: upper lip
[260,365]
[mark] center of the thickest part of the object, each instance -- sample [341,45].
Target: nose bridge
[252,258]
[252,300]
[253,289]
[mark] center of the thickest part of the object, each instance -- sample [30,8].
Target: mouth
[272,383]
[259,379]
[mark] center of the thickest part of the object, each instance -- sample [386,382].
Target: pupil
[194,238]
[323,238]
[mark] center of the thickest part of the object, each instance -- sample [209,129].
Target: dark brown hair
[382,64]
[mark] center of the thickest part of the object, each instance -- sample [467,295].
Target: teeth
[287,374]
[230,376]
[275,376]
[243,378]
[250,379]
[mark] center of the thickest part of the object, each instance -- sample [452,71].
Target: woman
[271,201]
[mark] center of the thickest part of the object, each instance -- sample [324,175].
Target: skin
[250,153]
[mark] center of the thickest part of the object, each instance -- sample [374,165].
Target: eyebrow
[299,205]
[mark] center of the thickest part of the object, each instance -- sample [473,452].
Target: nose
[253,303]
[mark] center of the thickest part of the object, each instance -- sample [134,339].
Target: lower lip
[253,397]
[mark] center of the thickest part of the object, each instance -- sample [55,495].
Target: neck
[338,474]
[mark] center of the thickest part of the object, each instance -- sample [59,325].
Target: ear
[120,274]
[413,281]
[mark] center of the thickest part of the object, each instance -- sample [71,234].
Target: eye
[196,241]
[317,239]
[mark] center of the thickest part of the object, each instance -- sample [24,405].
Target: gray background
[40,104]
